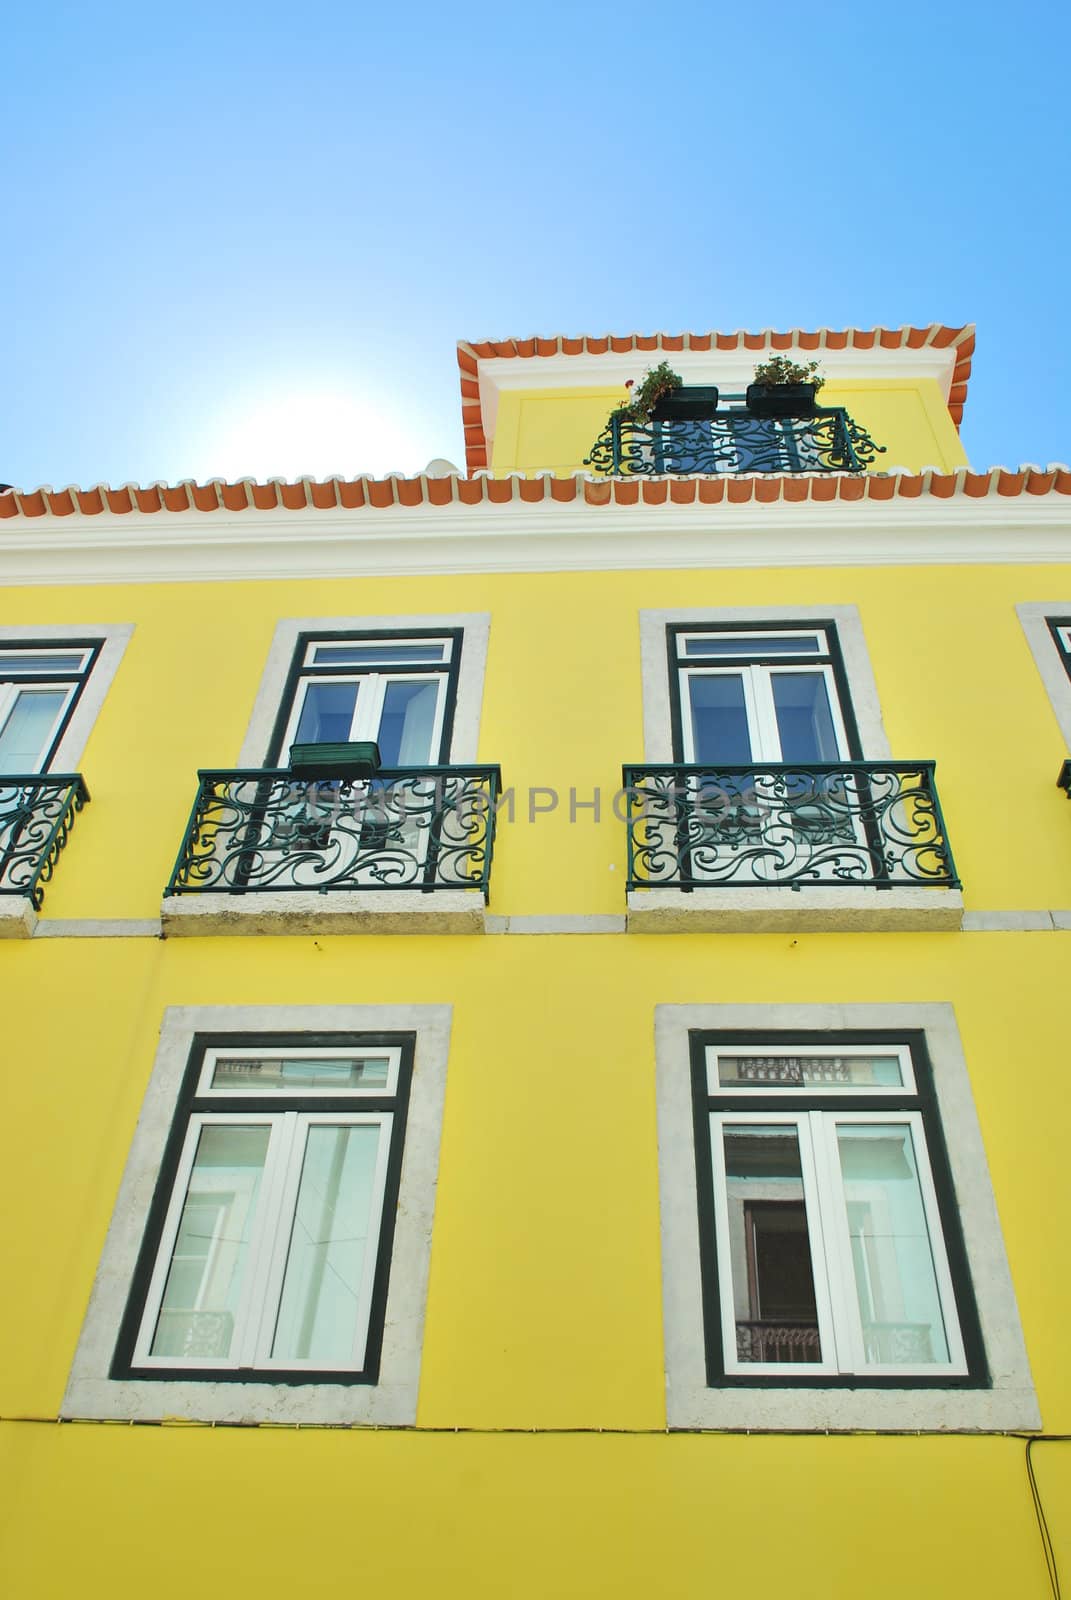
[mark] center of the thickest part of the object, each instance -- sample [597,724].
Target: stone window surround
[1034,616]
[353,911]
[115,637]
[464,738]
[767,910]
[1010,1402]
[392,1401]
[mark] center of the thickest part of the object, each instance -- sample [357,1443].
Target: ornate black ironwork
[252,831]
[735,441]
[777,1341]
[36,815]
[781,825]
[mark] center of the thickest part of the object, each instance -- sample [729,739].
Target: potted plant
[784,388]
[662,397]
[357,759]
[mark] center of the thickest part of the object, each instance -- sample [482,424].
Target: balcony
[37,812]
[853,845]
[734,440]
[407,851]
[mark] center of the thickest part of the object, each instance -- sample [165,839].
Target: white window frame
[1008,1403]
[759,705]
[269,1246]
[840,1330]
[368,705]
[92,1391]
[464,736]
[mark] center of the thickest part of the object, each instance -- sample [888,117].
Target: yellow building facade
[512,1175]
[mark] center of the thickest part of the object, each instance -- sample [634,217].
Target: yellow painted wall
[544,1308]
[562,709]
[552,430]
[544,1302]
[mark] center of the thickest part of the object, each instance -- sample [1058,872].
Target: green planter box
[357,760]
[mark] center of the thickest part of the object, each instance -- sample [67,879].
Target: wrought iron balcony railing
[856,822]
[422,828]
[735,441]
[36,815]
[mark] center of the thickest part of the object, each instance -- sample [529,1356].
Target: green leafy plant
[656,382]
[779,370]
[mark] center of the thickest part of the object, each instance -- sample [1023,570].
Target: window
[773,693]
[831,1250]
[53,682]
[397,691]
[38,690]
[273,1252]
[269,1250]
[1047,625]
[826,1241]
[414,684]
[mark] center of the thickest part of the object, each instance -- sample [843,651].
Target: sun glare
[314,434]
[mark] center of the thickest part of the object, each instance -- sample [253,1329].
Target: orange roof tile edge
[471,353]
[310,494]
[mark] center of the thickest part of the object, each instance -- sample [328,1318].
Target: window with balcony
[831,1251]
[269,1250]
[731,438]
[359,781]
[52,684]
[776,774]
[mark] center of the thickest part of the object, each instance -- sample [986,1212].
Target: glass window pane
[407,723]
[211,1253]
[892,1256]
[804,720]
[719,718]
[770,1249]
[327,713]
[361,654]
[321,1298]
[274,1072]
[26,735]
[799,1071]
[19,661]
[753,645]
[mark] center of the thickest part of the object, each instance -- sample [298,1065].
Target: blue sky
[245,238]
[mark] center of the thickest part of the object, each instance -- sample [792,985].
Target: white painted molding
[548,536]
[1010,1402]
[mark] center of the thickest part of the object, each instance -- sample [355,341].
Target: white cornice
[543,537]
[731,370]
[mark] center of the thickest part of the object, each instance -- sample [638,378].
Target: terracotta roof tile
[309,495]
[470,354]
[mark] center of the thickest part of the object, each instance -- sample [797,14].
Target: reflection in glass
[753,645]
[719,718]
[800,1071]
[359,655]
[325,1264]
[26,735]
[804,720]
[211,1252]
[327,713]
[892,1255]
[770,1250]
[276,1072]
[407,722]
